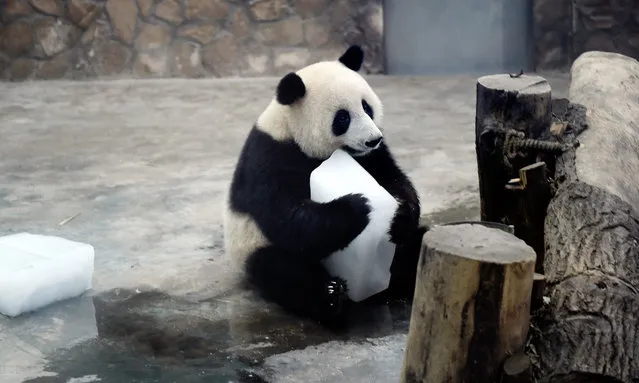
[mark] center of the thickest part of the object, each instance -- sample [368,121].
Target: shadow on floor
[146,335]
[151,336]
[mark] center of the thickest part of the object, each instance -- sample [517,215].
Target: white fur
[330,86]
[241,236]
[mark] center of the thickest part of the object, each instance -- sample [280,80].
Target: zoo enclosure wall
[81,39]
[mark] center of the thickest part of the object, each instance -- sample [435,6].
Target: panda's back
[266,167]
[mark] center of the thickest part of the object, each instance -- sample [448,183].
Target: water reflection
[146,335]
[151,336]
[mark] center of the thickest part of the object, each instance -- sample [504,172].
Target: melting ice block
[365,263]
[37,270]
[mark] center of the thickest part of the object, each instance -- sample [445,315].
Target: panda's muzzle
[351,151]
[362,137]
[373,144]
[369,146]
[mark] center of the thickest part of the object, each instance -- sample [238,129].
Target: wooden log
[530,202]
[517,369]
[534,200]
[494,225]
[539,286]
[592,228]
[522,104]
[580,377]
[471,307]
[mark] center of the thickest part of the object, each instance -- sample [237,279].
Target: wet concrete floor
[142,166]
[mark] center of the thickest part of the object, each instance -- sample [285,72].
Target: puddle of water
[150,336]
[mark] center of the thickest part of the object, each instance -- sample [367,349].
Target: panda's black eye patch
[341,122]
[367,109]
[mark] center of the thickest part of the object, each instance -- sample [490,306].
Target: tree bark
[534,200]
[538,290]
[521,103]
[580,377]
[592,228]
[471,307]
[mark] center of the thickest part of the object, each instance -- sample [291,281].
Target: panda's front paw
[336,287]
[404,224]
[356,207]
[336,295]
[349,217]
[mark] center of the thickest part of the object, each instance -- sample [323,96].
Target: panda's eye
[367,109]
[341,122]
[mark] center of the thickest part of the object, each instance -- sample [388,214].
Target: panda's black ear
[353,57]
[290,89]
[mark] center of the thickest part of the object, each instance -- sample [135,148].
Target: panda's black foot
[336,291]
[337,302]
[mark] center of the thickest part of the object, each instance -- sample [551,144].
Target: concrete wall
[50,39]
[457,36]
[564,29]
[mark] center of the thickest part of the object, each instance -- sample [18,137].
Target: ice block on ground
[37,270]
[365,263]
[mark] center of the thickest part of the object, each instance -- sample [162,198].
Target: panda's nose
[373,143]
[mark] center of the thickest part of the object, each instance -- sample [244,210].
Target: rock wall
[75,39]
[552,20]
[564,29]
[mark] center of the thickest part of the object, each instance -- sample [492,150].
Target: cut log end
[479,243]
[525,84]
[517,369]
[472,304]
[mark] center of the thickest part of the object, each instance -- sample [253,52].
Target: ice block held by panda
[37,270]
[365,263]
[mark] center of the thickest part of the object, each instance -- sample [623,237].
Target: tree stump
[592,227]
[534,200]
[506,105]
[471,307]
[517,369]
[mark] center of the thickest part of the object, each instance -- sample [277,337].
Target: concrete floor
[144,166]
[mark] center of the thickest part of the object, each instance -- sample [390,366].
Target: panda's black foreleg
[299,284]
[405,265]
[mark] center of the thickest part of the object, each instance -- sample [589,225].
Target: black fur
[382,166]
[271,184]
[299,284]
[405,230]
[367,109]
[353,57]
[290,89]
[341,122]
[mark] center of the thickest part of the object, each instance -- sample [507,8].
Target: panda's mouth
[355,152]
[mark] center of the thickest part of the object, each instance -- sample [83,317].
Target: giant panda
[272,229]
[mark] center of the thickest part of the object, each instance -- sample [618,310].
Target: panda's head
[327,106]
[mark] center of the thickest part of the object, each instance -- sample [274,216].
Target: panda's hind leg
[299,284]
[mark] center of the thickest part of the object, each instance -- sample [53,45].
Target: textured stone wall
[564,29]
[51,39]
[553,33]
[607,25]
